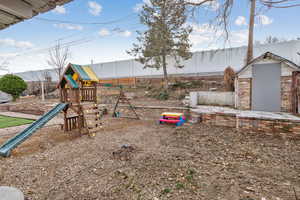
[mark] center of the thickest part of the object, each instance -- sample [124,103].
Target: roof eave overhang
[14,11]
[269,55]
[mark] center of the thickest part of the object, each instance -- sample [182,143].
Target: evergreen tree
[166,37]
[12,85]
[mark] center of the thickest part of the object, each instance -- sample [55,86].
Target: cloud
[59,10]
[7,55]
[239,37]
[94,8]
[116,32]
[203,33]
[68,26]
[209,5]
[240,21]
[138,7]
[125,33]
[16,44]
[264,20]
[104,32]
[207,36]
[213,5]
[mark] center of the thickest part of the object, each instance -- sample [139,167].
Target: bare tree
[58,58]
[224,12]
[280,3]
[273,39]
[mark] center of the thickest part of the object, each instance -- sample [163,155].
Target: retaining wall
[212,98]
[249,124]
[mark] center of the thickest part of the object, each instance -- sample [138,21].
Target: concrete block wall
[249,124]
[212,98]
[268,125]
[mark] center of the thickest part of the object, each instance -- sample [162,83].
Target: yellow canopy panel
[90,73]
[75,76]
[171,114]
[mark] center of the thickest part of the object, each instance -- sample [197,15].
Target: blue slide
[12,143]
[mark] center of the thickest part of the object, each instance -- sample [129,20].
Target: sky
[102,30]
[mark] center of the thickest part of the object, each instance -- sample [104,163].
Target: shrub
[12,85]
[229,76]
[186,84]
[163,95]
[158,93]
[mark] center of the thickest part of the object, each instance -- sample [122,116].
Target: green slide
[12,143]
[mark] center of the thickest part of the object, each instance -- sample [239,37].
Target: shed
[268,83]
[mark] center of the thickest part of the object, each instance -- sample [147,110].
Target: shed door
[266,87]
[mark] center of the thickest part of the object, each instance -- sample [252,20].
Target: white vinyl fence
[202,63]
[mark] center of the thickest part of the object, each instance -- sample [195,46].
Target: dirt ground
[140,159]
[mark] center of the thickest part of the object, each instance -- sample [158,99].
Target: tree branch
[279,3]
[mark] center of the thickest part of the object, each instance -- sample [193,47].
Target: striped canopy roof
[83,73]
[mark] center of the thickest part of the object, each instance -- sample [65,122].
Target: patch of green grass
[191,171]
[190,176]
[179,186]
[6,122]
[166,191]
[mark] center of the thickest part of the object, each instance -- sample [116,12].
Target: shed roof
[270,55]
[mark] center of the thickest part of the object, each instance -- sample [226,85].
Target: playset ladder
[92,118]
[122,99]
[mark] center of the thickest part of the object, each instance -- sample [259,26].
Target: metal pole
[43,92]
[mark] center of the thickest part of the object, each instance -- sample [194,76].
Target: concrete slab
[20,115]
[247,113]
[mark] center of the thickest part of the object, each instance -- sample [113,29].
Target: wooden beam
[7,18]
[17,7]
[2,25]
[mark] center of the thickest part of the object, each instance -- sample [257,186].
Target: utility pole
[251,31]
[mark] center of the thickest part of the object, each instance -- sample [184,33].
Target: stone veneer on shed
[244,93]
[286,93]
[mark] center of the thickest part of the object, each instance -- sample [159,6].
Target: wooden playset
[78,88]
[173,118]
[78,101]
